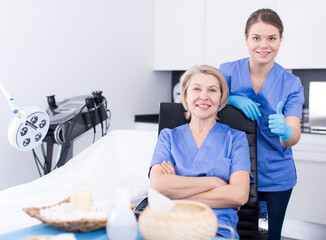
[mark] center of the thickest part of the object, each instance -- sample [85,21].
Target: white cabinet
[179,34]
[225,26]
[308,198]
[189,32]
[303,46]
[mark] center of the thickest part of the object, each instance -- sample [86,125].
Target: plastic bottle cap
[122,223]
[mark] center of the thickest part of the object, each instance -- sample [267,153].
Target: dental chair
[171,115]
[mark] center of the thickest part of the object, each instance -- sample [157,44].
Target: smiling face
[203,96]
[263,41]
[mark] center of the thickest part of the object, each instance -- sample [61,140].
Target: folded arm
[232,195]
[180,187]
[212,191]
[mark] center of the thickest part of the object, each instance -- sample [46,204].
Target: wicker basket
[187,220]
[81,225]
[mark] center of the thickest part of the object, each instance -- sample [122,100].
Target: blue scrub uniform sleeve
[295,100]
[162,150]
[225,71]
[240,154]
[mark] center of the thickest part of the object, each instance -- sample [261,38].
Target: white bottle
[122,223]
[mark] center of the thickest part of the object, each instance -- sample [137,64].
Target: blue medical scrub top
[223,152]
[276,169]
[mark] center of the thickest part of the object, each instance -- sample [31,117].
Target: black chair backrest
[172,115]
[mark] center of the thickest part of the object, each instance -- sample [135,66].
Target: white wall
[70,48]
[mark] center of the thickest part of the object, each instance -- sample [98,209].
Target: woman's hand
[164,179]
[246,105]
[288,128]
[168,168]
[278,125]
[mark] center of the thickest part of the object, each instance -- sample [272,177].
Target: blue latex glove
[246,105]
[278,125]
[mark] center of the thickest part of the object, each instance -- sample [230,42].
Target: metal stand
[48,160]
[64,133]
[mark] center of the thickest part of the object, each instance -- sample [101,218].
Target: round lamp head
[28,128]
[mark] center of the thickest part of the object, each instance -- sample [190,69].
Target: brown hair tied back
[265,15]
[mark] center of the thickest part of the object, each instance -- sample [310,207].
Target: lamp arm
[11,101]
[4,91]
[29,125]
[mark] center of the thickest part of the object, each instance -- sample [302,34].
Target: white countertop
[311,147]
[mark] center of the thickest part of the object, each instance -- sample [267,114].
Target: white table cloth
[120,159]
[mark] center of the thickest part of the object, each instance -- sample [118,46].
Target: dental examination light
[28,127]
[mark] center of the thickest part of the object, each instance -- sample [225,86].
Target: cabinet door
[225,26]
[303,44]
[179,34]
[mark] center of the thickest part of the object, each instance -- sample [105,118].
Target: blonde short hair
[205,69]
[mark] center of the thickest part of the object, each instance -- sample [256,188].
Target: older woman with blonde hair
[204,160]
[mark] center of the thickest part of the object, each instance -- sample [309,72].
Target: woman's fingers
[164,171]
[167,168]
[171,167]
